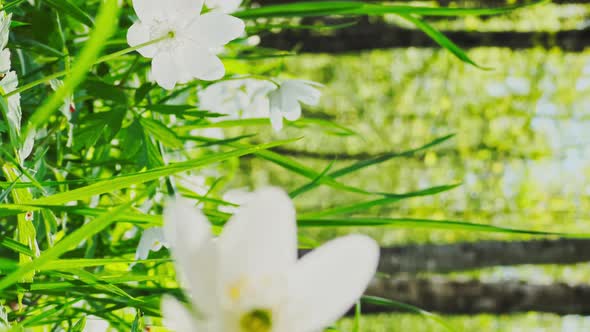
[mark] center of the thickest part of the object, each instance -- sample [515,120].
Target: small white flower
[249,279]
[188,53]
[285,101]
[152,239]
[239,99]
[224,6]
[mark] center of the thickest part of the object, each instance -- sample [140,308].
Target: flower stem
[102,59]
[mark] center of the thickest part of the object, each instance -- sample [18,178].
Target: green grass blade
[63,246]
[450,225]
[442,40]
[150,175]
[70,9]
[15,246]
[356,8]
[379,301]
[363,206]
[370,162]
[106,24]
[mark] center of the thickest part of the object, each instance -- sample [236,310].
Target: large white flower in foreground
[250,280]
[189,50]
[285,101]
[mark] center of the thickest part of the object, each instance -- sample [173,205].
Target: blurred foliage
[489,323]
[522,152]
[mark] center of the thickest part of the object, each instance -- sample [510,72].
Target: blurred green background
[521,151]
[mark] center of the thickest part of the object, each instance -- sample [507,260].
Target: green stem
[102,59]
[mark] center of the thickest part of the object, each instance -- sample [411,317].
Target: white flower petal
[147,10]
[207,66]
[152,239]
[9,83]
[27,145]
[215,29]
[186,230]
[261,238]
[303,91]
[325,283]
[180,9]
[225,6]
[138,34]
[4,28]
[5,61]
[294,113]
[276,118]
[165,71]
[176,316]
[188,234]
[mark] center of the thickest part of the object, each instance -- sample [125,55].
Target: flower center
[165,29]
[257,320]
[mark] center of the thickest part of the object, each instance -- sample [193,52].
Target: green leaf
[126,181]
[15,246]
[442,40]
[106,24]
[12,4]
[161,133]
[356,8]
[450,225]
[80,325]
[66,244]
[101,90]
[391,198]
[70,9]
[370,162]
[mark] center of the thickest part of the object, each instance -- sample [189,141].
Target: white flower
[96,324]
[188,53]
[9,83]
[152,239]
[285,101]
[224,6]
[249,279]
[239,99]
